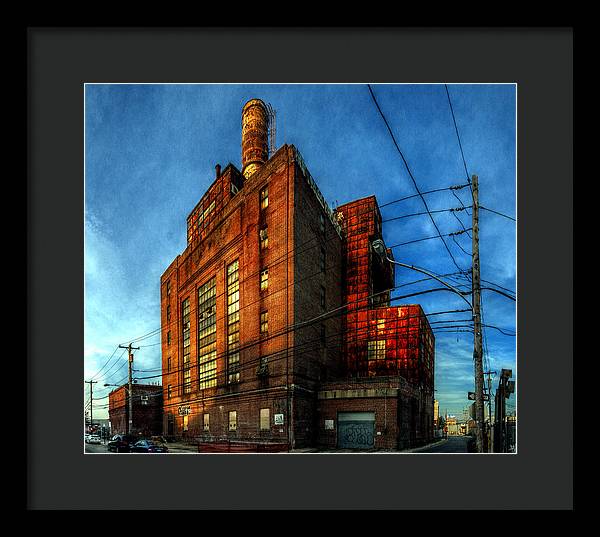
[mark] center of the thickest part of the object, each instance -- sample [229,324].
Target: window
[207,335]
[264,238]
[169,337]
[322,259]
[322,297]
[169,364]
[233,420]
[168,312]
[233,322]
[323,336]
[185,423]
[202,215]
[265,419]
[185,322]
[187,379]
[322,223]
[376,350]
[264,322]
[169,391]
[206,421]
[168,288]
[264,198]
[264,279]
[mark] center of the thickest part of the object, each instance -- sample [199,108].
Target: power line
[411,176]
[248,305]
[297,250]
[498,213]
[299,351]
[273,357]
[458,136]
[105,377]
[337,311]
[424,239]
[451,188]
[105,364]
[271,293]
[492,283]
[455,209]
[496,285]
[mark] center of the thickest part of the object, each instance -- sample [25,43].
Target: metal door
[356,430]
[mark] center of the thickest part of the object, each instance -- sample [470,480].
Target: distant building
[453,427]
[436,413]
[146,406]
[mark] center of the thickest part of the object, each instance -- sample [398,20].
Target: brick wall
[397,404]
[234,234]
[147,415]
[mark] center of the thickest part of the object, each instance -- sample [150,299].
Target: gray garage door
[356,430]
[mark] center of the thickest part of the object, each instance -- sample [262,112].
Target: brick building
[386,401]
[255,328]
[146,409]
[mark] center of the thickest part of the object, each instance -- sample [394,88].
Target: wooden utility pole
[477,343]
[91,383]
[130,387]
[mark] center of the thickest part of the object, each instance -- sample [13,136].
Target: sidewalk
[181,447]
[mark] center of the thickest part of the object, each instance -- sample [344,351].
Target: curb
[416,450]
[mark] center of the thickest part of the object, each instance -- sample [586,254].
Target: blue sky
[150,153]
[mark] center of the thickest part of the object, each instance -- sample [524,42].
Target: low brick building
[382,413]
[146,410]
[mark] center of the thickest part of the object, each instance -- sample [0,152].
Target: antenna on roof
[272,129]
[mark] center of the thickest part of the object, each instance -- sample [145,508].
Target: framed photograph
[302,265]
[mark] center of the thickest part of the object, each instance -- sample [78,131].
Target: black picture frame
[61,60]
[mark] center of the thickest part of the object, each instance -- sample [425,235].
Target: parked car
[121,443]
[149,446]
[87,437]
[94,439]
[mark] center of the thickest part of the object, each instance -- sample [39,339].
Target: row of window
[376,351]
[207,334]
[265,420]
[233,322]
[263,234]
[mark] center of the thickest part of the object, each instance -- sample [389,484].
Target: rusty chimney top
[218,170]
[255,127]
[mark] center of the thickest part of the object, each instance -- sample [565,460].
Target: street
[96,448]
[453,444]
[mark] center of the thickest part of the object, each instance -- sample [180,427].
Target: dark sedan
[148,446]
[121,443]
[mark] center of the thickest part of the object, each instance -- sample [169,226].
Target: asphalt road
[96,448]
[453,444]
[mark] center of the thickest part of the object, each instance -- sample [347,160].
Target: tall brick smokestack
[255,126]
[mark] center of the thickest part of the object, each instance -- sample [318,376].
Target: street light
[379,248]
